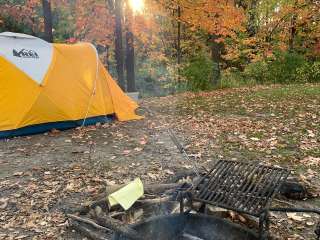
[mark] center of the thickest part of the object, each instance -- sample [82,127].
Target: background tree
[130,65]
[119,43]
[47,14]
[185,45]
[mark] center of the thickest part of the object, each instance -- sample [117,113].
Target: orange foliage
[26,13]
[218,17]
[306,17]
[94,22]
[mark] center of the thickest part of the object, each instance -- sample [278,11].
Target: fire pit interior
[244,188]
[189,227]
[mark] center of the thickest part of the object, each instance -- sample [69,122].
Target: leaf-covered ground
[42,175]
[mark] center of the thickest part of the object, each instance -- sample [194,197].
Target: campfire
[184,209]
[195,205]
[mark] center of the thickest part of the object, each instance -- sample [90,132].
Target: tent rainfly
[46,86]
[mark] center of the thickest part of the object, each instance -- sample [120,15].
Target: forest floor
[42,175]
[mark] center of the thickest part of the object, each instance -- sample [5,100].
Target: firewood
[87,221]
[108,223]
[180,175]
[175,209]
[152,201]
[159,188]
[116,214]
[102,200]
[85,209]
[86,231]
[148,188]
[118,227]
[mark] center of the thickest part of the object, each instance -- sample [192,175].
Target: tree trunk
[292,33]
[252,18]
[131,84]
[107,62]
[47,14]
[179,37]
[293,29]
[118,43]
[216,49]
[179,44]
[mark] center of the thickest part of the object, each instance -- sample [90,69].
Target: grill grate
[240,186]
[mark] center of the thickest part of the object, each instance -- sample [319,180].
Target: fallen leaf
[295,217]
[169,171]
[17,174]
[311,134]
[126,152]
[153,176]
[70,187]
[255,139]
[54,131]
[143,142]
[311,161]
[137,149]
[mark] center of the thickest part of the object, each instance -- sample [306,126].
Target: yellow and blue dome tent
[46,86]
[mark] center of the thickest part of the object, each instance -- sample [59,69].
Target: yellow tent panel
[45,86]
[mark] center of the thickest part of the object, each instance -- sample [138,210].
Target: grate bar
[233,190]
[214,180]
[240,186]
[247,187]
[236,176]
[253,201]
[248,194]
[282,176]
[218,192]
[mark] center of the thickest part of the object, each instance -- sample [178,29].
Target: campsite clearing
[43,174]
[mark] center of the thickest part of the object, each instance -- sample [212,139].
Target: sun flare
[136,5]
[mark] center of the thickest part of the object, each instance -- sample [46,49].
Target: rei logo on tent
[24,53]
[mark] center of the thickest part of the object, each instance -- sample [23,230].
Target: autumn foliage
[230,33]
